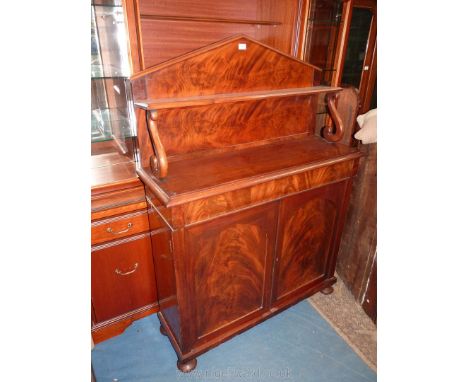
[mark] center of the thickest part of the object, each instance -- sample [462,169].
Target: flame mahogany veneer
[246,201]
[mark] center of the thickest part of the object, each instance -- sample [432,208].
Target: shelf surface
[111,171]
[190,178]
[170,103]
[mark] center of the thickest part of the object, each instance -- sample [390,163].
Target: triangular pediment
[235,64]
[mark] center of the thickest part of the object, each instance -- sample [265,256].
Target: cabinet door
[307,226]
[122,278]
[229,268]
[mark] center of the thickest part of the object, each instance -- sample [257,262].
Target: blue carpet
[296,345]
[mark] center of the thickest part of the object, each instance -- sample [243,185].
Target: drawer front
[119,227]
[122,277]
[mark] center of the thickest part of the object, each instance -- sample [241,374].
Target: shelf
[209,19]
[118,5]
[330,23]
[192,178]
[170,103]
[95,78]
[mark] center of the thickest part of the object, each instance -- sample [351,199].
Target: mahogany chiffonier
[246,196]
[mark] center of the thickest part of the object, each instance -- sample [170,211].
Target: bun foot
[187,366]
[162,330]
[327,290]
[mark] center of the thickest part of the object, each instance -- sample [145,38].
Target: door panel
[230,267]
[306,230]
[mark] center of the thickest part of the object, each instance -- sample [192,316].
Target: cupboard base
[280,306]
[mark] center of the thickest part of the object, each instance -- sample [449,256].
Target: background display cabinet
[123,286]
[111,125]
[246,195]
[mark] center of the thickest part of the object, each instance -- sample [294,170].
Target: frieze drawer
[119,227]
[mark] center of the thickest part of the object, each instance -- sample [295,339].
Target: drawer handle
[129,226]
[119,272]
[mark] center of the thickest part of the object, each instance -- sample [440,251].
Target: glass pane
[96,60]
[112,127]
[323,27]
[357,45]
[116,3]
[112,41]
[98,102]
[110,117]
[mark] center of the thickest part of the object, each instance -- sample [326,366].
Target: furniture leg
[327,290]
[162,330]
[187,366]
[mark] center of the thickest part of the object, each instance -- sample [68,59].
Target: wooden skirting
[357,257]
[117,325]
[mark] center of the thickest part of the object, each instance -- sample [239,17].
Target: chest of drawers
[123,285]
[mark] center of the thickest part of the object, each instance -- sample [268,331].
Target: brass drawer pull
[129,226]
[119,272]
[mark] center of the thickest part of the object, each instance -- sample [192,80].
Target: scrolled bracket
[328,133]
[158,162]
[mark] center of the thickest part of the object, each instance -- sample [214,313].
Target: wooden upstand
[246,199]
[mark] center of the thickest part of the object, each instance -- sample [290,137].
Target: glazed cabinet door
[229,269]
[306,233]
